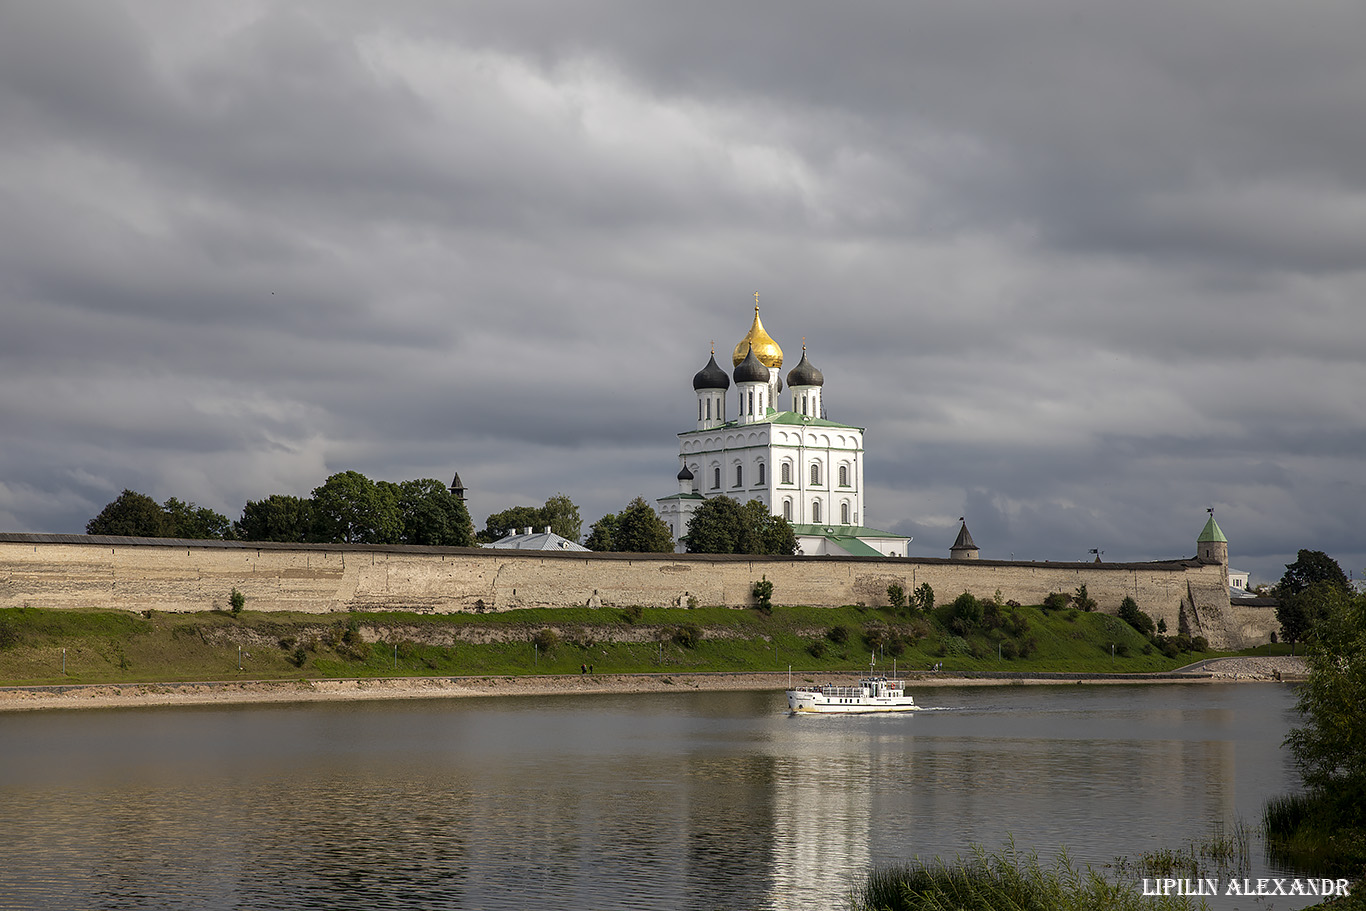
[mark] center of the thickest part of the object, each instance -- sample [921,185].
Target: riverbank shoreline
[240,692]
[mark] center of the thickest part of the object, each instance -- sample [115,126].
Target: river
[666,801]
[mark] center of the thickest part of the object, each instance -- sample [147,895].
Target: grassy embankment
[119,647]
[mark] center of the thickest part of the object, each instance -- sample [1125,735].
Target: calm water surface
[687,801]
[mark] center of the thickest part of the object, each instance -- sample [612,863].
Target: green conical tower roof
[1212,532]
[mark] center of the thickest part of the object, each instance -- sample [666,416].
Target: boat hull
[816,708]
[872,696]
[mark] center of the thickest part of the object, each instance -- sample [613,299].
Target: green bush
[1009,650]
[763,594]
[816,648]
[1055,601]
[896,596]
[547,639]
[687,635]
[967,608]
[236,601]
[1082,600]
[632,613]
[1130,613]
[924,597]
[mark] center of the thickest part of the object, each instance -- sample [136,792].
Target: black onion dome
[805,374]
[751,369]
[684,474]
[711,376]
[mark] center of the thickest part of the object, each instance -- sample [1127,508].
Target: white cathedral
[805,468]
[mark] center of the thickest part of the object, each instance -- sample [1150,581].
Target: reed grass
[1316,833]
[1226,852]
[1004,881]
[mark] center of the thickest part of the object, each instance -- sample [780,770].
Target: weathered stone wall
[75,571]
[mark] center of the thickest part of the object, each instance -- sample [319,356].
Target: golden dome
[765,348]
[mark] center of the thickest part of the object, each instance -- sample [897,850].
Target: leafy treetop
[1310,567]
[722,525]
[138,515]
[1330,750]
[559,512]
[636,529]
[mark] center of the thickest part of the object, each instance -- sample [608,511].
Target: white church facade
[801,466]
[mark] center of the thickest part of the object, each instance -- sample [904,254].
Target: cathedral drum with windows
[805,468]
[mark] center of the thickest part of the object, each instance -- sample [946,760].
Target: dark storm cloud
[1080,271]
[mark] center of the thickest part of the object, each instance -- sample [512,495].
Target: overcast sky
[1081,270]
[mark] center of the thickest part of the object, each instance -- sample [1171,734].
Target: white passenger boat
[873,694]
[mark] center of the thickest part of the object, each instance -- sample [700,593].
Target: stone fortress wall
[137,574]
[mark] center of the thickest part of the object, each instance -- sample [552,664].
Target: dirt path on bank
[93,696]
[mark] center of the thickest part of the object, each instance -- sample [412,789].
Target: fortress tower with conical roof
[801,466]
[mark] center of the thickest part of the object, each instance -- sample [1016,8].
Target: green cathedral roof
[1212,532]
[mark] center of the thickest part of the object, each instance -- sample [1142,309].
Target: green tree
[430,514]
[131,513]
[1303,591]
[721,525]
[510,521]
[763,594]
[1330,750]
[968,609]
[1130,613]
[896,596]
[923,597]
[278,517]
[764,533]
[559,513]
[1310,568]
[350,508]
[602,534]
[1292,613]
[639,529]
[714,527]
[186,520]
[1083,601]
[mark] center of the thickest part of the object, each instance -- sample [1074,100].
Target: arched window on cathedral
[803,403]
[751,404]
[787,510]
[709,409]
[844,513]
[699,409]
[816,475]
[761,474]
[786,473]
[739,476]
[716,478]
[844,478]
[816,511]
